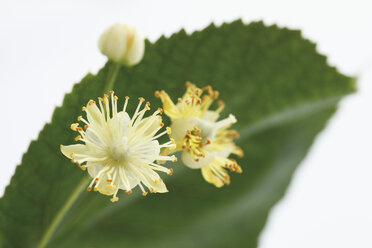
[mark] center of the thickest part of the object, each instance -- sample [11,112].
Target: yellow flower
[118,151]
[205,143]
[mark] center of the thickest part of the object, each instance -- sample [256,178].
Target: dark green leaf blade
[282,93]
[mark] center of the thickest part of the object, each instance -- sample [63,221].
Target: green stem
[112,75]
[57,220]
[111,78]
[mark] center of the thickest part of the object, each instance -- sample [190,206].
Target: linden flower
[123,44]
[119,151]
[206,143]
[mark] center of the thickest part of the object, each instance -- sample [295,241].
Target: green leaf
[282,93]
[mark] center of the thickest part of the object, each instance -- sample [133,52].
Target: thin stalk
[58,218]
[111,78]
[112,75]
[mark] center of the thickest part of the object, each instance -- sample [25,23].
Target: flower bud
[122,44]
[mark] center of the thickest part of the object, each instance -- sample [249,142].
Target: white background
[46,46]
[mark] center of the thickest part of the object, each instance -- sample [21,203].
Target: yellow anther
[141,99]
[169,130]
[111,92]
[147,107]
[83,168]
[205,98]
[170,173]
[156,181]
[208,88]
[77,138]
[174,158]
[109,180]
[83,108]
[127,97]
[157,94]
[144,193]
[74,126]
[116,98]
[79,118]
[89,188]
[95,189]
[114,199]
[161,124]
[86,127]
[100,99]
[160,110]
[128,192]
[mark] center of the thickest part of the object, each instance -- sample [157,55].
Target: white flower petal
[123,119]
[133,181]
[208,129]
[190,161]
[181,125]
[70,150]
[94,169]
[211,116]
[153,180]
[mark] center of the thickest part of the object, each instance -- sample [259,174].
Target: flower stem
[111,77]
[58,218]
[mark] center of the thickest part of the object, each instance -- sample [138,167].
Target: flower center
[119,150]
[193,143]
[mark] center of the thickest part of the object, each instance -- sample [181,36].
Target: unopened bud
[122,44]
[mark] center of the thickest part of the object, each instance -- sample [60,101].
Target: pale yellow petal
[70,150]
[169,107]
[212,178]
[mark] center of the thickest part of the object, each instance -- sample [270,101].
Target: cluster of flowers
[120,151]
